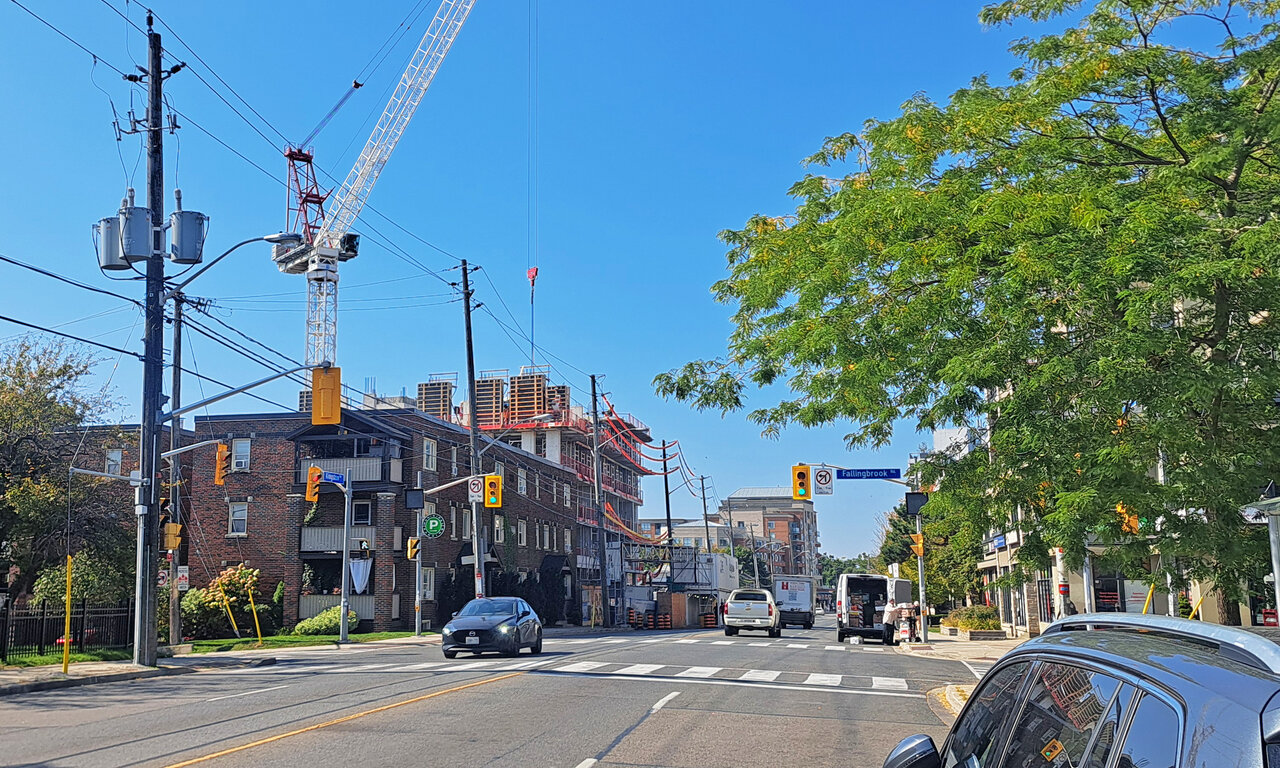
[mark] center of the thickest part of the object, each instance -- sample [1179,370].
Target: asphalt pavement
[677,699]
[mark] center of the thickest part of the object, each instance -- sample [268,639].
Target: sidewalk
[944,647]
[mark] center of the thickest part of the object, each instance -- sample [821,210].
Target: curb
[951,696]
[114,677]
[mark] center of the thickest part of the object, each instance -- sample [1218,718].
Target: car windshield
[488,608]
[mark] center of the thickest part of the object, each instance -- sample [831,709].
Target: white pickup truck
[752,609]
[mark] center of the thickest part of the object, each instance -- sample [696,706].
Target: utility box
[186,236]
[135,233]
[106,236]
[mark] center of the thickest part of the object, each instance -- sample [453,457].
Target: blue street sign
[869,474]
[334,477]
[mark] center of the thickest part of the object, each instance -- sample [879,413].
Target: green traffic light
[802,491]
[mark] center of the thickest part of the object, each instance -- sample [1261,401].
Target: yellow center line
[347,718]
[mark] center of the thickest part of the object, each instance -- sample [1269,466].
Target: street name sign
[475,489]
[822,482]
[334,477]
[433,526]
[892,473]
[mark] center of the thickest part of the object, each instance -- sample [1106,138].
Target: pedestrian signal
[222,464]
[313,483]
[493,490]
[800,482]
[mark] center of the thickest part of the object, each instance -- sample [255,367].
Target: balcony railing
[587,472]
[313,605]
[366,469]
[317,538]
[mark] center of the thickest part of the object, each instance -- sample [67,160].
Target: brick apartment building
[787,527]
[259,517]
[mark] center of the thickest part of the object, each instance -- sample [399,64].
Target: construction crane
[331,239]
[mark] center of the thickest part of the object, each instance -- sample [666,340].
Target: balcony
[610,484]
[316,538]
[365,469]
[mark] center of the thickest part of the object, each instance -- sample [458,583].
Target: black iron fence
[37,629]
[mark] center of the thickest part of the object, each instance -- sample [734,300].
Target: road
[678,699]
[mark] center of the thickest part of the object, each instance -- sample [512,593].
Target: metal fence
[36,630]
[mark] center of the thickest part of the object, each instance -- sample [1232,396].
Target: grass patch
[287,641]
[50,659]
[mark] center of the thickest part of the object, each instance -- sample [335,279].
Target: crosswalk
[790,644]
[554,665]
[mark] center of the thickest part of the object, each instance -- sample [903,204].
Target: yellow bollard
[1196,608]
[66,633]
[1147,604]
[256,625]
[226,604]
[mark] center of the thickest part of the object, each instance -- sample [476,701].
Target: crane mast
[334,242]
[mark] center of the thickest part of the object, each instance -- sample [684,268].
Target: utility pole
[146,506]
[706,524]
[346,556]
[755,564]
[666,498]
[175,474]
[596,469]
[475,426]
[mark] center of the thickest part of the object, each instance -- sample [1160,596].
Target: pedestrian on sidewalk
[890,621]
[913,622]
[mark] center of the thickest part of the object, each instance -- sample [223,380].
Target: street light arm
[178,288]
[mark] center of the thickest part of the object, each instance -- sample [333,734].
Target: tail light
[839,606]
[770,609]
[726,609]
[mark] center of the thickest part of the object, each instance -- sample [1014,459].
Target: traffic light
[221,464]
[1129,522]
[365,549]
[800,482]
[313,483]
[412,550]
[493,490]
[326,396]
[173,536]
[917,544]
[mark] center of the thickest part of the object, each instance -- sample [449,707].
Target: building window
[115,461]
[522,482]
[646,527]
[568,541]
[428,583]
[500,469]
[466,524]
[537,486]
[361,512]
[499,529]
[522,533]
[429,455]
[240,455]
[238,518]
[567,493]
[453,523]
[363,447]
[453,461]
[771,524]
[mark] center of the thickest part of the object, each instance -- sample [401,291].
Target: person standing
[890,621]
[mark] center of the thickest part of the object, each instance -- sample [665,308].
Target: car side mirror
[455,614]
[914,752]
[523,614]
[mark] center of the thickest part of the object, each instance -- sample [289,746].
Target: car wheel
[809,625]
[731,631]
[451,654]
[536,648]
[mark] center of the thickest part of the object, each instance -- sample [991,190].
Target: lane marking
[640,669]
[247,693]
[741,684]
[662,702]
[345,719]
[590,761]
[582,666]
[820,679]
[889,683]
[699,672]
[760,675]
[975,672]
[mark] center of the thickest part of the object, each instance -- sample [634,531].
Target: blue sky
[658,125]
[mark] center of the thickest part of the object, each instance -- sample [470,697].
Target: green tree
[747,572]
[44,404]
[1081,261]
[93,578]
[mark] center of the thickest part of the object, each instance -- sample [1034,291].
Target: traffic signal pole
[346,555]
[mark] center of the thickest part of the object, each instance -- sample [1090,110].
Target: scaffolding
[528,396]
[435,395]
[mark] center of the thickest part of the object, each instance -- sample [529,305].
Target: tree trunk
[1229,610]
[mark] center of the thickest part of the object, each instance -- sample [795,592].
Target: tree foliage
[94,578]
[1080,263]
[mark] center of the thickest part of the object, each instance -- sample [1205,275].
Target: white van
[860,602]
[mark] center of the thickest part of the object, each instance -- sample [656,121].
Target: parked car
[1120,691]
[501,624]
[752,609]
[860,604]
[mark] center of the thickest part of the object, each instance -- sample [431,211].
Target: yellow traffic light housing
[917,544]
[412,549]
[326,396]
[221,464]
[1129,522]
[313,483]
[800,482]
[493,490]
[173,536]
[365,549]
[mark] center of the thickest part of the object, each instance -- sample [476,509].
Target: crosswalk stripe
[523,665]
[291,670]
[889,683]
[427,665]
[819,679]
[760,645]
[688,640]
[581,666]
[699,672]
[796,645]
[722,642]
[760,675]
[615,642]
[639,669]
[655,640]
[360,668]
[471,665]
[834,648]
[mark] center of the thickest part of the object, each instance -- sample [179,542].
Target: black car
[1119,691]
[501,624]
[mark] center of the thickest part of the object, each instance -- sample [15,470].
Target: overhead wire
[67,37]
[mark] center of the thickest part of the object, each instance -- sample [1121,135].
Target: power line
[67,37]
[68,280]
[80,339]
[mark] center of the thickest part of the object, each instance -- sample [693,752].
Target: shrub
[973,617]
[326,622]
[93,577]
